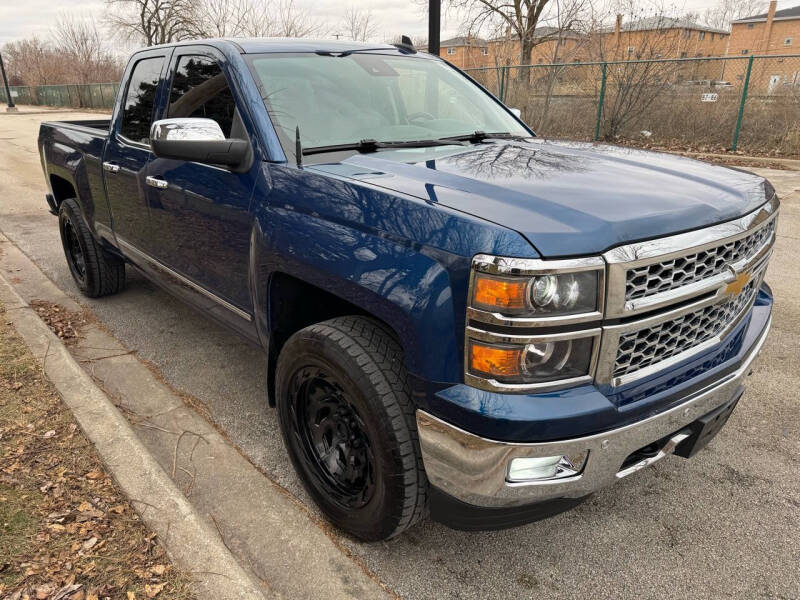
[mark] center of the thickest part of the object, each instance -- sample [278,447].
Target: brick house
[466,52]
[662,37]
[774,33]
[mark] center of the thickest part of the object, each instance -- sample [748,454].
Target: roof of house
[544,31]
[664,22]
[785,14]
[463,40]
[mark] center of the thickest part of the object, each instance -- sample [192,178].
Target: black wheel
[96,271]
[348,423]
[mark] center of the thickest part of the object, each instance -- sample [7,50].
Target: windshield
[339,100]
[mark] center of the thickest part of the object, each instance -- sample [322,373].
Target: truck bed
[95,125]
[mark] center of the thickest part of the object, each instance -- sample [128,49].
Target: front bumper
[472,470]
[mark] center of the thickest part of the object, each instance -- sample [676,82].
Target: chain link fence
[90,95]
[749,103]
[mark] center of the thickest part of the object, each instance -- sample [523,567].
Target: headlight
[511,294]
[530,360]
[539,293]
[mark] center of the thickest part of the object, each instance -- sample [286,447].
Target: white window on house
[787,42]
[485,51]
[631,49]
[451,50]
[701,35]
[751,25]
[745,51]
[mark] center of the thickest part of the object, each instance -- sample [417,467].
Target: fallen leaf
[16,385]
[153,590]
[91,596]
[66,591]
[94,474]
[89,544]
[131,596]
[44,591]
[84,506]
[158,569]
[49,434]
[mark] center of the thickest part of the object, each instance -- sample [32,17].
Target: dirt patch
[67,325]
[66,532]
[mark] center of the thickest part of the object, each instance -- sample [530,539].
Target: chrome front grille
[674,297]
[650,345]
[659,277]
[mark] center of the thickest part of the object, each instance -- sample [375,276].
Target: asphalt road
[725,524]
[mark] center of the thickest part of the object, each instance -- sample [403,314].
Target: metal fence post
[503,84]
[742,103]
[600,103]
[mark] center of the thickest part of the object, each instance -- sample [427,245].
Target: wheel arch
[293,304]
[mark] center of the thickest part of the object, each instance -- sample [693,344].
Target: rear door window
[137,112]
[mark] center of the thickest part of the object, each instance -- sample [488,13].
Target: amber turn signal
[495,360]
[500,294]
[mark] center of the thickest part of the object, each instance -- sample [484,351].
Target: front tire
[348,423]
[95,271]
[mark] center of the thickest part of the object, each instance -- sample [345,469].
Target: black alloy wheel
[348,424]
[332,436]
[96,271]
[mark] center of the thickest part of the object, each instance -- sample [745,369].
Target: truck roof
[266,45]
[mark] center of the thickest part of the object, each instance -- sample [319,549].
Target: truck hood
[567,199]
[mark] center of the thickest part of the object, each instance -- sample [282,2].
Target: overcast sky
[23,18]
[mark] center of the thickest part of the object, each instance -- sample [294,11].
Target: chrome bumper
[474,469]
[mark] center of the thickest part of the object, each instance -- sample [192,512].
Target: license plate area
[703,430]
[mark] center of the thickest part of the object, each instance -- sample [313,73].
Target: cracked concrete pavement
[722,524]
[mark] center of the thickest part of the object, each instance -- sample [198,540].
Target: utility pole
[11,107]
[434,25]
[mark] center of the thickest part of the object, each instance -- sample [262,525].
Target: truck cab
[459,318]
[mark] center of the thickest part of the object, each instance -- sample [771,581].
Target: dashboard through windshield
[340,99]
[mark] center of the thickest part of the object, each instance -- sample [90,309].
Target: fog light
[545,467]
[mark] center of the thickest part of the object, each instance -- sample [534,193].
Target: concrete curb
[190,540]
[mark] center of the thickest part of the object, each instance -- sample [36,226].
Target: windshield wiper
[479,136]
[374,145]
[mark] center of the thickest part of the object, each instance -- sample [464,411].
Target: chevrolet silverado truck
[459,319]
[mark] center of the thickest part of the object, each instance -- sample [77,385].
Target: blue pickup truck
[459,318]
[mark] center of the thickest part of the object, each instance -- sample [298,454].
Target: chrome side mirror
[194,129]
[516,112]
[197,140]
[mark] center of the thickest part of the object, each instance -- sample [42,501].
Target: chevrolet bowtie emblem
[736,286]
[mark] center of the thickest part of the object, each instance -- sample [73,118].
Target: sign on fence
[709,97]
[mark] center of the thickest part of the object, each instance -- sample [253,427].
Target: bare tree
[221,18]
[634,85]
[32,61]
[79,40]
[726,11]
[521,18]
[359,25]
[296,22]
[154,21]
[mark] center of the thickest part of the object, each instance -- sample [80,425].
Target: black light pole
[5,82]
[434,24]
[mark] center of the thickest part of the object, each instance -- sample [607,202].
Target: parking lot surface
[724,524]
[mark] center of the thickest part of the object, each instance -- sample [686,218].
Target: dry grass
[66,532]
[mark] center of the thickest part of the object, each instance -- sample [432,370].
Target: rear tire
[95,271]
[349,426]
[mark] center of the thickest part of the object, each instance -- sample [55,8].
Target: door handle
[110,167]
[156,182]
